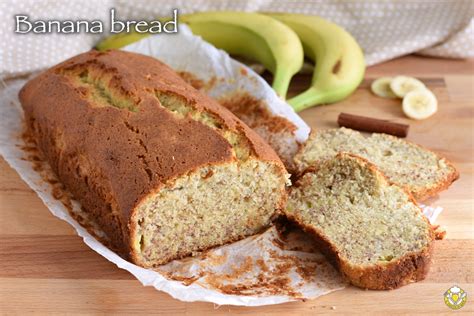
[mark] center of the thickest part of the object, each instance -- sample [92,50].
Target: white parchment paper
[260,270]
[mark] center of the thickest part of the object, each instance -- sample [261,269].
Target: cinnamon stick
[372,125]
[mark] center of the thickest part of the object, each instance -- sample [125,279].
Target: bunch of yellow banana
[254,36]
[339,60]
[279,42]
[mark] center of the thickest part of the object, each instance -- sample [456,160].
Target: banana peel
[254,36]
[120,40]
[339,60]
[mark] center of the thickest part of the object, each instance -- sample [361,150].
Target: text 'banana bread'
[164,170]
[371,230]
[422,172]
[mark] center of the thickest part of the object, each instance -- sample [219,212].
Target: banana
[120,40]
[419,104]
[401,85]
[340,64]
[381,87]
[254,36]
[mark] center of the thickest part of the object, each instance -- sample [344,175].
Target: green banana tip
[306,99]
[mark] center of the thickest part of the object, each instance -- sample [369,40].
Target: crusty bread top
[107,103]
[420,171]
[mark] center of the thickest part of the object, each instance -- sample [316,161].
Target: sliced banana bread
[371,230]
[164,170]
[422,172]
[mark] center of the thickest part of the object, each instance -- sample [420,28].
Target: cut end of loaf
[210,207]
[367,226]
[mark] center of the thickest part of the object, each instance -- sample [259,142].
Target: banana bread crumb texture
[371,230]
[422,172]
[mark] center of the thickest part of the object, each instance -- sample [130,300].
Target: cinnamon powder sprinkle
[197,83]
[255,113]
[214,259]
[261,264]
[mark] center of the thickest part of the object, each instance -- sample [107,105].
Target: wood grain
[46,269]
[67,257]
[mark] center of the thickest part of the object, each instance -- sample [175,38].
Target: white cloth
[384,29]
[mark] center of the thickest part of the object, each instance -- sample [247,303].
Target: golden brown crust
[421,195]
[412,267]
[110,158]
[439,186]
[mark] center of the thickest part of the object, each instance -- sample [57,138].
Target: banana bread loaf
[422,172]
[164,170]
[371,230]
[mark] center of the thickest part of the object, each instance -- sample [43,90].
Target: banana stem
[281,82]
[306,99]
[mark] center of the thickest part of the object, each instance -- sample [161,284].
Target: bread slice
[422,172]
[372,231]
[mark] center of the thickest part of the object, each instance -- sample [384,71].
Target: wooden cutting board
[45,268]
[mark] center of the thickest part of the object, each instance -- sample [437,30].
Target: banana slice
[420,104]
[381,87]
[401,85]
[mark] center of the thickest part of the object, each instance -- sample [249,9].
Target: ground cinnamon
[372,125]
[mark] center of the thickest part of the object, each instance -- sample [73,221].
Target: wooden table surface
[45,268]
